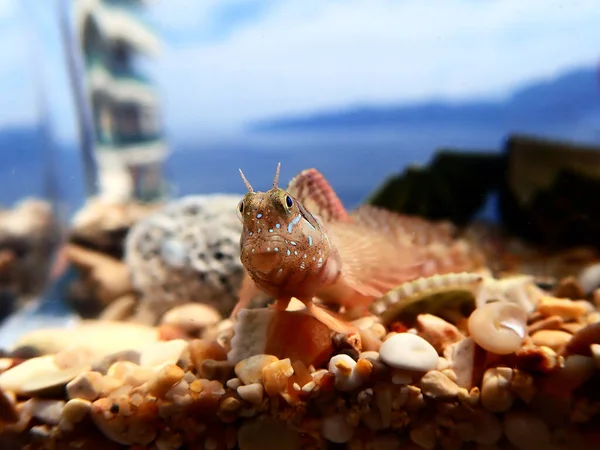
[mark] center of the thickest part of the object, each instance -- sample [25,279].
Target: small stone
[192,317]
[86,386]
[347,377]
[496,395]
[583,339]
[461,359]
[437,331]
[567,309]
[164,380]
[129,373]
[37,375]
[46,411]
[336,429]
[555,339]
[250,370]
[162,353]
[76,409]
[252,393]
[410,352]
[424,435]
[437,385]
[595,349]
[276,375]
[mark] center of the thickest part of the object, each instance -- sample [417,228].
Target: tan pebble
[192,317]
[164,379]
[162,353]
[109,385]
[336,429]
[130,373]
[554,339]
[86,386]
[37,375]
[567,309]
[572,327]
[424,435]
[234,383]
[522,384]
[201,349]
[126,355]
[547,323]
[250,370]
[216,370]
[99,336]
[76,409]
[230,404]
[577,370]
[437,331]
[275,376]
[461,359]
[252,393]
[526,431]
[496,395]
[437,385]
[593,317]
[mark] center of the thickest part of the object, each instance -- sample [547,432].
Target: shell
[428,294]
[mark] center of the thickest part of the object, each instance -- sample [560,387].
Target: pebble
[250,369]
[437,331]
[496,395]
[192,317]
[347,377]
[555,339]
[564,308]
[437,385]
[101,337]
[8,411]
[336,429]
[165,379]
[526,431]
[410,352]
[76,409]
[86,386]
[162,353]
[46,411]
[38,375]
[252,393]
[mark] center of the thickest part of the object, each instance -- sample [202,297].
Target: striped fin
[311,189]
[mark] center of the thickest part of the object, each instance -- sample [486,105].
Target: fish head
[279,234]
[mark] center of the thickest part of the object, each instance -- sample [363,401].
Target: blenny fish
[289,250]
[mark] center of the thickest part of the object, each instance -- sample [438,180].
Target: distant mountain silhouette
[571,97]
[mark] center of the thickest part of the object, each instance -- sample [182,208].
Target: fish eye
[240,210]
[288,201]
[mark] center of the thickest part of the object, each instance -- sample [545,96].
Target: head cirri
[280,238]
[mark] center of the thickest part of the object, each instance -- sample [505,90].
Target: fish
[301,243]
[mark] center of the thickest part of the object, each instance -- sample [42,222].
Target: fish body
[301,242]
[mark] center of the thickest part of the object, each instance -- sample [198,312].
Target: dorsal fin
[312,190]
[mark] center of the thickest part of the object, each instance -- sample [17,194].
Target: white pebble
[344,369]
[410,352]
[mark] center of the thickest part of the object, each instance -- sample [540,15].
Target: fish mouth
[263,254]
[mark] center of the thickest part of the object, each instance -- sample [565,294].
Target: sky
[225,63]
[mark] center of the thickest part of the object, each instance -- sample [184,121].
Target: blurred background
[168,98]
